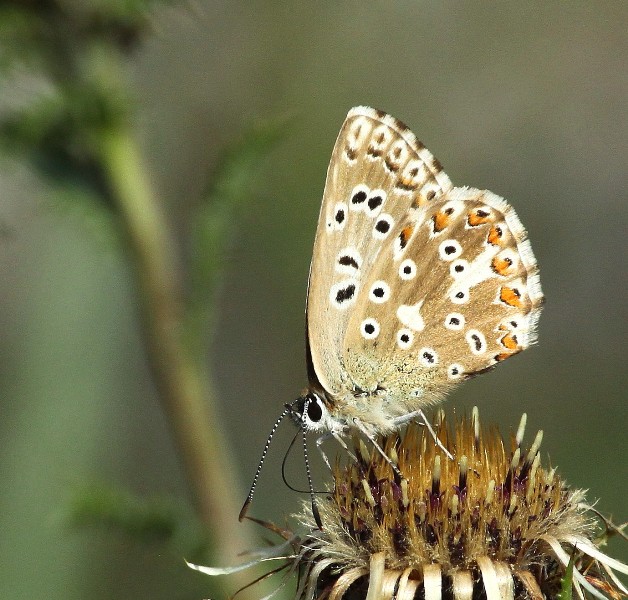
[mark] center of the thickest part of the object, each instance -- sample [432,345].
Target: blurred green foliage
[215,227]
[74,48]
[76,132]
[159,521]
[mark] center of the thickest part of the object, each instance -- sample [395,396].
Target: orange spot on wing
[503,356]
[405,235]
[501,266]
[495,235]
[509,341]
[407,183]
[422,199]
[510,296]
[478,217]
[440,220]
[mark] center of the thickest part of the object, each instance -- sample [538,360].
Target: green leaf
[566,582]
[144,519]
[154,520]
[215,228]
[57,133]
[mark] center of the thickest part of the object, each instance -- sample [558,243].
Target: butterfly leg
[424,421]
[338,438]
[319,447]
[373,441]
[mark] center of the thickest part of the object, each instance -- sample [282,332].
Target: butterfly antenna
[249,498]
[315,511]
[285,460]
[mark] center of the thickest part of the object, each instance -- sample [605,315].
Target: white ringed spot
[380,138]
[348,261]
[369,329]
[343,294]
[454,321]
[355,139]
[458,268]
[374,202]
[476,341]
[450,250]
[430,191]
[379,292]
[510,323]
[407,269]
[382,226]
[459,296]
[339,217]
[454,371]
[405,337]
[453,207]
[358,196]
[396,156]
[413,175]
[428,357]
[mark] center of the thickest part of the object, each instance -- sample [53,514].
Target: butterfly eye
[314,409]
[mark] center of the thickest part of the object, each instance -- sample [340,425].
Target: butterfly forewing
[378,174]
[452,292]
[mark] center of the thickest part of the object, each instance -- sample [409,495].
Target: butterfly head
[311,412]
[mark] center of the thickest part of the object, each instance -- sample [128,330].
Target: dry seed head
[493,523]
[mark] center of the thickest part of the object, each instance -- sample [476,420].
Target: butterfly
[415,285]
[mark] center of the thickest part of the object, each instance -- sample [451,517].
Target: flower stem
[183,384]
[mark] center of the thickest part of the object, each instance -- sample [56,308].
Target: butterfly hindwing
[461,293]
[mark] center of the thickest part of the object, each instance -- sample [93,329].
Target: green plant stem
[183,384]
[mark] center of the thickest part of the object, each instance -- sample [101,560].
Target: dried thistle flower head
[493,523]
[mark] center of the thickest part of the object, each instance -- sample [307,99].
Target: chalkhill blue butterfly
[415,285]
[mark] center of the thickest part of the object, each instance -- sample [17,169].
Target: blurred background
[525,99]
